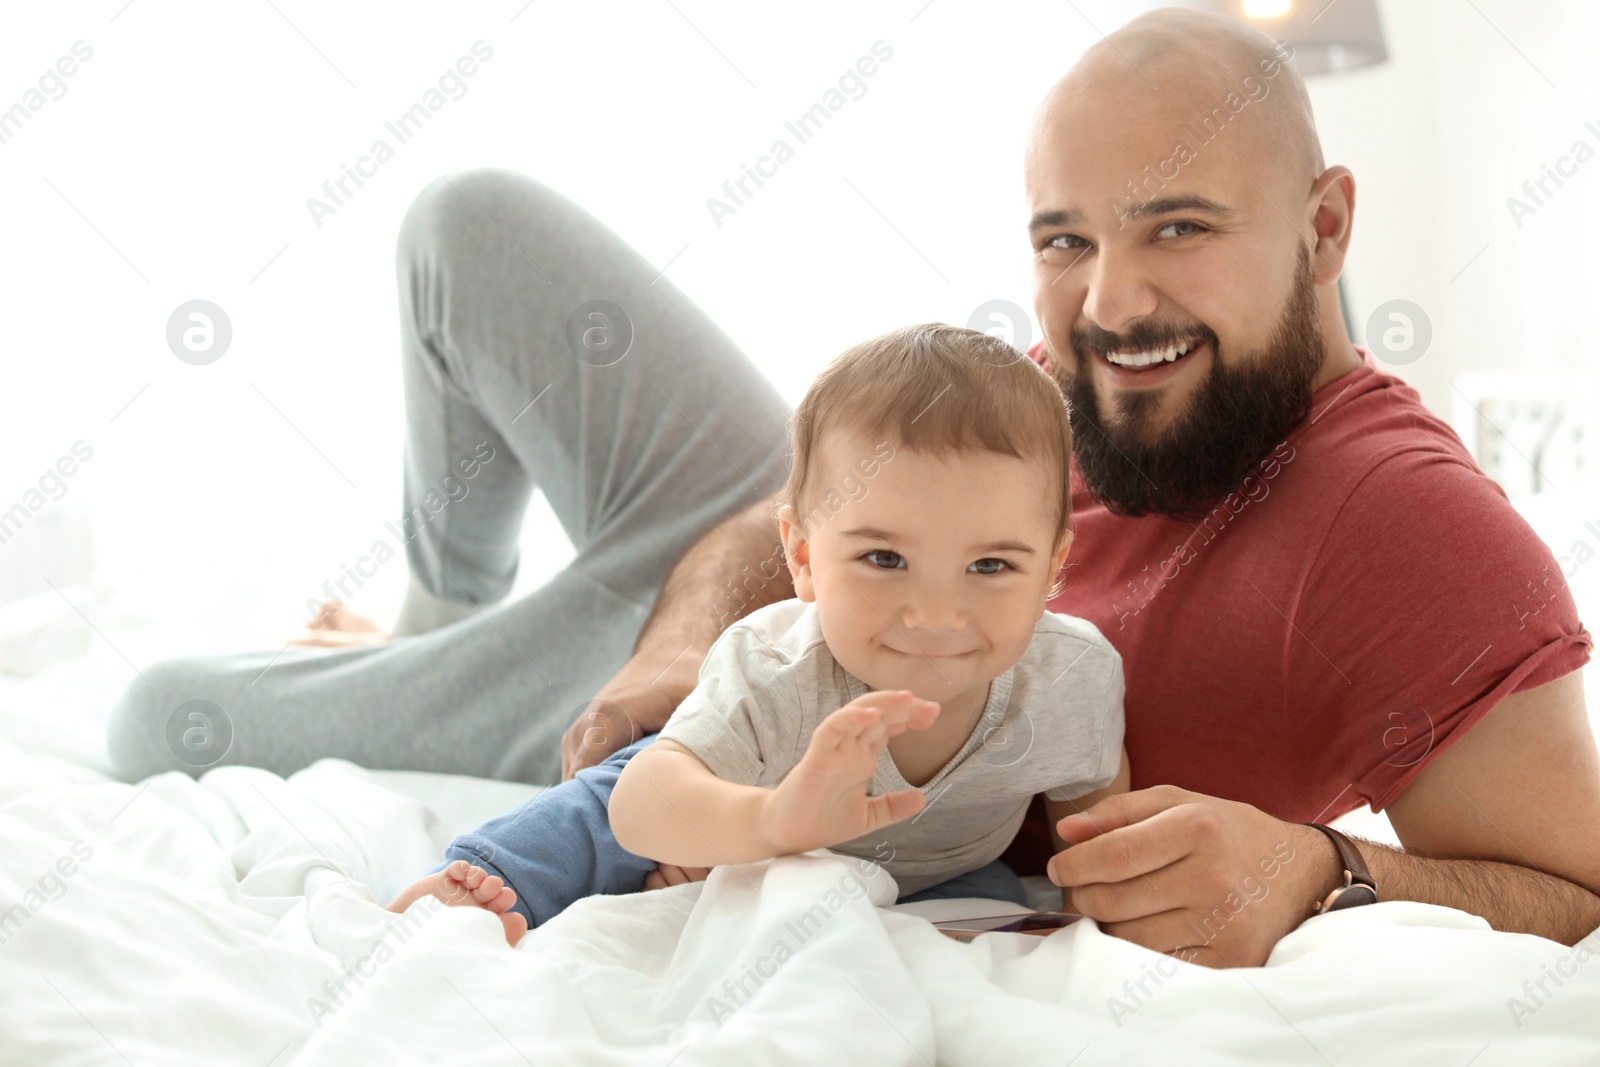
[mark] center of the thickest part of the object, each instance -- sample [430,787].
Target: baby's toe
[515,926]
[488,889]
[503,900]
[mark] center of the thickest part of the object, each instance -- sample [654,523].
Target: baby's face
[930,573]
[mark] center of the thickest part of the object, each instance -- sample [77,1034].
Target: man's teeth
[1156,355]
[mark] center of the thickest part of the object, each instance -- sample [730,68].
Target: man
[1318,598]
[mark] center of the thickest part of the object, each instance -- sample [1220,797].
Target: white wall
[1439,139]
[193,137]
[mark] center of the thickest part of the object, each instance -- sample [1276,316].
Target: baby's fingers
[886,702]
[846,724]
[918,714]
[893,807]
[861,722]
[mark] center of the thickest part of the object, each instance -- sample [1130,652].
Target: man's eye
[895,559]
[1000,565]
[1194,227]
[1064,240]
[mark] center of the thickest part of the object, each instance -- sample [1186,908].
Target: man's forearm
[737,567]
[1512,898]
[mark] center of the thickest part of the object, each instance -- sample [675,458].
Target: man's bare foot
[463,885]
[336,626]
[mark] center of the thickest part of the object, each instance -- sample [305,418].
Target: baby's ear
[1063,547]
[797,553]
[1058,561]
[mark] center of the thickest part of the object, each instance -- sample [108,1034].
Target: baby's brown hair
[939,390]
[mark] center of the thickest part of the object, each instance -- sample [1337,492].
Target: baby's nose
[930,638]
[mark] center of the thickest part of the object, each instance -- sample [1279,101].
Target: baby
[906,705]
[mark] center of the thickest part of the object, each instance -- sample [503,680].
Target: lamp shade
[1328,36]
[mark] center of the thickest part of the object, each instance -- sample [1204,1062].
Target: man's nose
[1118,292]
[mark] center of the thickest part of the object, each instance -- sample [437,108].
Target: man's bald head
[1164,72]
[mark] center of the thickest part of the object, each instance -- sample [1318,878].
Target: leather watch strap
[1359,887]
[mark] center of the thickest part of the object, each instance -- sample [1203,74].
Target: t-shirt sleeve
[743,713]
[1429,602]
[1094,762]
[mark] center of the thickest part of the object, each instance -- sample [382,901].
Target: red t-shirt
[1333,626]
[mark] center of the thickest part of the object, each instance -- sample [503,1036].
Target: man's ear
[797,553]
[1333,208]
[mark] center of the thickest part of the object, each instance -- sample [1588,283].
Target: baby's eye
[982,569]
[895,559]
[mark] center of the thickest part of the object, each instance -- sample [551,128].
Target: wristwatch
[1358,887]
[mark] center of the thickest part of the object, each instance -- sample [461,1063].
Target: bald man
[1319,600]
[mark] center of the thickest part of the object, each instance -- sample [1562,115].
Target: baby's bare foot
[463,885]
[336,626]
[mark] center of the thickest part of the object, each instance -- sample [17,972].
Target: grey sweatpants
[640,439]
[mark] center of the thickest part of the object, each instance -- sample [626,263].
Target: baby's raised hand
[824,801]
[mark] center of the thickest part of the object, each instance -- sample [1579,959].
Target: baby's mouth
[929,655]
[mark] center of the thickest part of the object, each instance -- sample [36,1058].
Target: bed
[234,920]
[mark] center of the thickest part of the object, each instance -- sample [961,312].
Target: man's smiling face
[1182,306]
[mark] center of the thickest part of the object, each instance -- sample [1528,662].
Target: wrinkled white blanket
[232,921]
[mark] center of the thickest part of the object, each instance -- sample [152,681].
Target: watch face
[1351,896]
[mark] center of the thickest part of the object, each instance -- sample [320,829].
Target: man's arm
[1514,805]
[737,567]
[1506,822]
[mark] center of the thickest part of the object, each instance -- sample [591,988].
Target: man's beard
[1234,419]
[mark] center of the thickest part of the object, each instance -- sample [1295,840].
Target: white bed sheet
[214,920]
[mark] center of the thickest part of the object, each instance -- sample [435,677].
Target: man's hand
[638,701]
[613,720]
[823,800]
[673,641]
[1209,881]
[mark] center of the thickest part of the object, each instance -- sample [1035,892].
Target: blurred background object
[1328,36]
[1531,431]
